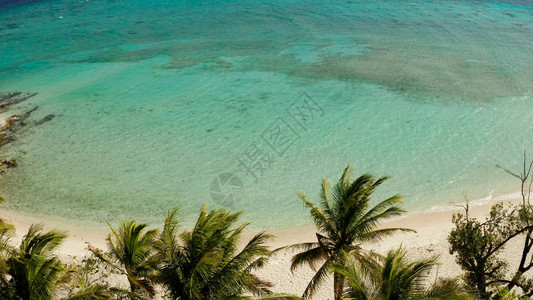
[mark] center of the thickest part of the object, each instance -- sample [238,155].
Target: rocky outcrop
[10,126]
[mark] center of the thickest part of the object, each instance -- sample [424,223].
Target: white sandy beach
[432,230]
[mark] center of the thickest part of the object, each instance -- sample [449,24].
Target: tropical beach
[430,240]
[114,113]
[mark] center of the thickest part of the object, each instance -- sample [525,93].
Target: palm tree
[131,252]
[93,292]
[6,232]
[395,279]
[344,222]
[205,263]
[447,289]
[33,271]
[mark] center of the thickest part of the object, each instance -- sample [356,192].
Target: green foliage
[505,294]
[88,279]
[477,245]
[205,263]
[6,232]
[131,252]
[92,292]
[344,221]
[447,289]
[395,278]
[31,271]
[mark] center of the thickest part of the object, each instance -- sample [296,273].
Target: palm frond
[380,234]
[317,279]
[344,221]
[321,220]
[311,257]
[450,289]
[6,233]
[326,203]
[361,284]
[95,292]
[280,297]
[297,247]
[237,271]
[382,206]
[205,263]
[131,250]
[400,277]
[37,243]
[33,269]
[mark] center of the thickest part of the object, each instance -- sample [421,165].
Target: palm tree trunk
[338,285]
[133,287]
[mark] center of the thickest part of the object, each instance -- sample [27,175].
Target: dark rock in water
[13,124]
[16,122]
[10,99]
[4,105]
[9,163]
[6,139]
[45,119]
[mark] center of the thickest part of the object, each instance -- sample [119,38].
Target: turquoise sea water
[155,99]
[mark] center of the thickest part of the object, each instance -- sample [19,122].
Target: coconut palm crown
[205,263]
[397,278]
[31,271]
[344,222]
[131,252]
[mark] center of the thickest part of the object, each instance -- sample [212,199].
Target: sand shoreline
[432,231]
[80,233]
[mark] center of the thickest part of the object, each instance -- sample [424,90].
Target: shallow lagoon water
[155,99]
